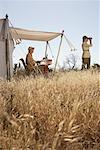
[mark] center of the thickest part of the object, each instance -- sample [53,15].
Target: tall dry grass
[57,113]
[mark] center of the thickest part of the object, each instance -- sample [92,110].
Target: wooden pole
[46,49]
[58,51]
[7,48]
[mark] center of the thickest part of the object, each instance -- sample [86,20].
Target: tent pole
[58,51]
[46,49]
[7,48]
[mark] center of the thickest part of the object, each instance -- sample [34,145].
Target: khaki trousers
[85,61]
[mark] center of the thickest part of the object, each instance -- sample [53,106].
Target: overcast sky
[76,17]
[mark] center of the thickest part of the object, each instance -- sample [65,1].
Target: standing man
[87,43]
[30,62]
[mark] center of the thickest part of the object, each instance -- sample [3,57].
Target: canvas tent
[7,37]
[6,49]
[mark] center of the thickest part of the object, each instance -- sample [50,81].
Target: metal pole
[58,51]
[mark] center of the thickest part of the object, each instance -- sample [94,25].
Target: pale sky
[76,17]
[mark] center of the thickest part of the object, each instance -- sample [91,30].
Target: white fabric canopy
[18,33]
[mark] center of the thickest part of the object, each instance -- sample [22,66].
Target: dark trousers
[85,63]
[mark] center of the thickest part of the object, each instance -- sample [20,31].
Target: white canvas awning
[18,33]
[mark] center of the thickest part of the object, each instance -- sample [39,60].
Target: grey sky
[76,17]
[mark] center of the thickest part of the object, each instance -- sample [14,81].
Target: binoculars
[90,38]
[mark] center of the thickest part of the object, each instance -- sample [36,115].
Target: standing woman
[87,43]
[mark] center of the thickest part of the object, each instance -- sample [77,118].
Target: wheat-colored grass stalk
[59,112]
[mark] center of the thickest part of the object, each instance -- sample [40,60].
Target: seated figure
[30,62]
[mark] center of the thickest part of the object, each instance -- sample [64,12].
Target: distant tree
[70,62]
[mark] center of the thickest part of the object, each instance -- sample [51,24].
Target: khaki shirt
[30,61]
[85,47]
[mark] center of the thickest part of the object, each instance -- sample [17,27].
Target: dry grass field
[57,113]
